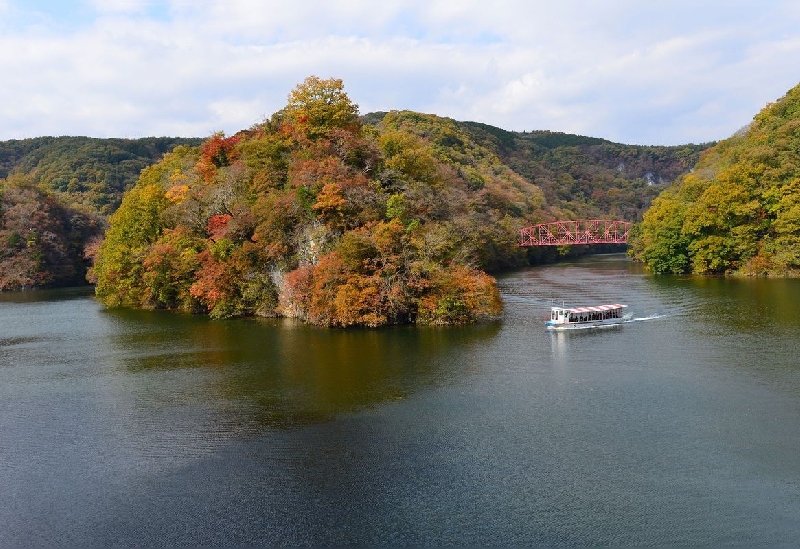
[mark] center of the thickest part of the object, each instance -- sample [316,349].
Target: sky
[639,72]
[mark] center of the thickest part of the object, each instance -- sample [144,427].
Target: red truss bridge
[564,233]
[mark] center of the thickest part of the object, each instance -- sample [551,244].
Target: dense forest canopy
[461,188]
[319,214]
[585,177]
[307,215]
[42,241]
[84,170]
[55,196]
[739,210]
[581,177]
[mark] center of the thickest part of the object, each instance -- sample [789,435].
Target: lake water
[147,428]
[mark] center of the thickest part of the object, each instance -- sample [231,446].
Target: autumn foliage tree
[318,106]
[42,240]
[312,215]
[306,215]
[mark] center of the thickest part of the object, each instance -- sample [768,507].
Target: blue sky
[650,73]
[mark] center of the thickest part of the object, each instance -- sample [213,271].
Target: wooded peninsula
[738,211]
[337,219]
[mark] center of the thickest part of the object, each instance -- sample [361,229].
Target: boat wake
[643,318]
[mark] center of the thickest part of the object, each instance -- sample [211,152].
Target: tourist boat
[564,318]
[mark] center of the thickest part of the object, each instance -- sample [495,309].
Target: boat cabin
[577,315]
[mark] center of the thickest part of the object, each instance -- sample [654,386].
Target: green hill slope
[580,177]
[739,210]
[55,196]
[84,170]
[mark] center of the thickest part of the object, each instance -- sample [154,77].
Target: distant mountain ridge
[85,170]
[97,171]
[583,176]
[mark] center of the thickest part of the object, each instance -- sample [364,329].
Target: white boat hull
[578,318]
[584,325]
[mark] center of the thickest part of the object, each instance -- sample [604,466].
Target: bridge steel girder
[565,233]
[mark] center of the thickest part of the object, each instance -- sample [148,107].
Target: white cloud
[120,6]
[628,71]
[519,93]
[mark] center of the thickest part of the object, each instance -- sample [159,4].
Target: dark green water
[143,428]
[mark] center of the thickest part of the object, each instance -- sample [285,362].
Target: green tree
[138,224]
[321,105]
[665,249]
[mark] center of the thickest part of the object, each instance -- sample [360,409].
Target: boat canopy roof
[595,309]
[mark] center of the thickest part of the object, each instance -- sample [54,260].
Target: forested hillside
[84,170]
[739,210]
[43,242]
[55,196]
[581,177]
[585,177]
[469,185]
[321,215]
